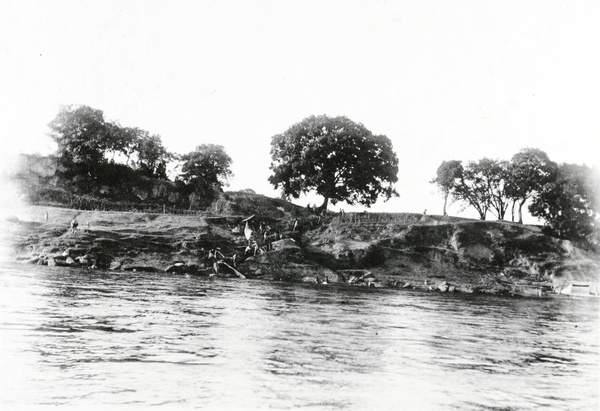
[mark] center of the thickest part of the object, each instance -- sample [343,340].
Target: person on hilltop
[74,225]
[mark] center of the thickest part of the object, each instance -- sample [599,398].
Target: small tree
[482,185]
[529,170]
[152,156]
[124,140]
[206,169]
[448,175]
[336,157]
[496,174]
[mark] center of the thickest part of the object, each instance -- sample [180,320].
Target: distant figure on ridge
[74,225]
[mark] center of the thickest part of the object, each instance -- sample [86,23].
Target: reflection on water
[82,338]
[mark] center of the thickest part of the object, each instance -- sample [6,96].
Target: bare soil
[371,249]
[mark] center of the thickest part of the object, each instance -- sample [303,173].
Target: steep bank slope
[402,250]
[445,252]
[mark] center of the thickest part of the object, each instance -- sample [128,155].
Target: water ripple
[83,338]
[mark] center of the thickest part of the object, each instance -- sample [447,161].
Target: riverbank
[400,250]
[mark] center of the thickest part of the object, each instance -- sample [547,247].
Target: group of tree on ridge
[565,196]
[94,153]
[333,156]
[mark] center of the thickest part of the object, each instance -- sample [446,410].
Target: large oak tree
[339,159]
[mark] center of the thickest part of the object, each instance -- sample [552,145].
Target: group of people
[259,239]
[74,224]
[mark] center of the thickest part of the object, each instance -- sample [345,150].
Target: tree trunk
[445,202]
[520,212]
[323,207]
[512,211]
[192,198]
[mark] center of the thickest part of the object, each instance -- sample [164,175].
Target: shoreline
[397,251]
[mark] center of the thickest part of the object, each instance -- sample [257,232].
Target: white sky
[442,79]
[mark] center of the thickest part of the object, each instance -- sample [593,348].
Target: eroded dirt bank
[381,250]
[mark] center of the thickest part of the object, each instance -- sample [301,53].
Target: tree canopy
[473,188]
[447,177]
[570,201]
[152,156]
[206,168]
[339,159]
[529,170]
[488,185]
[88,144]
[82,136]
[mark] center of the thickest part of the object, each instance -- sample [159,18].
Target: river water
[82,338]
